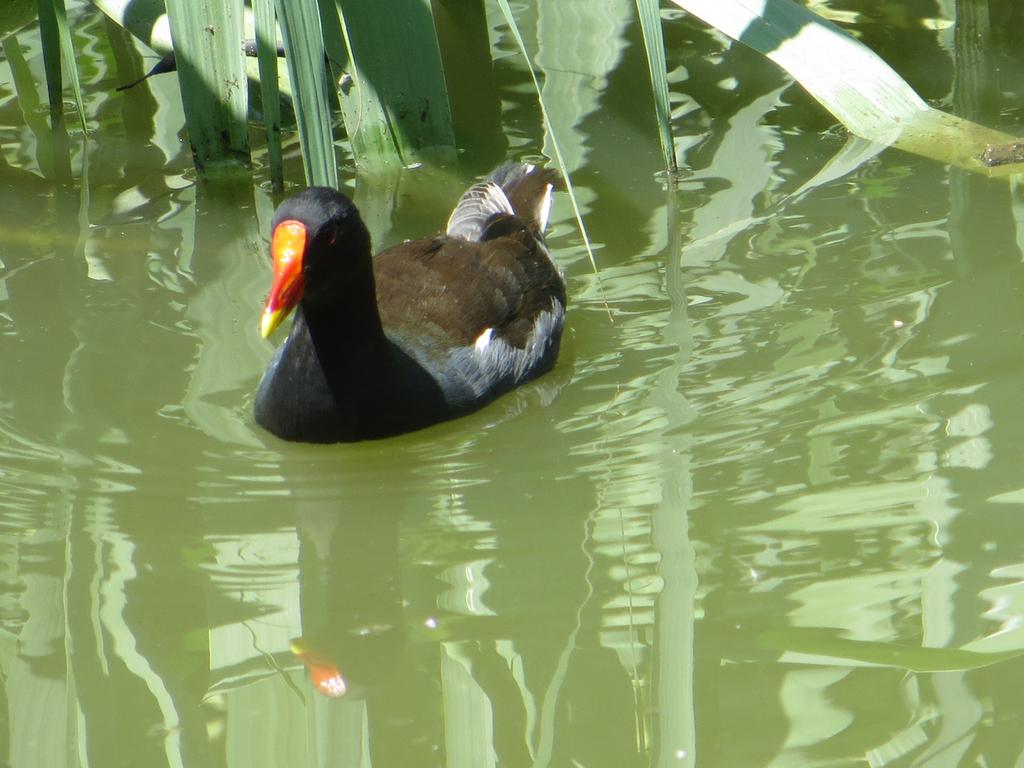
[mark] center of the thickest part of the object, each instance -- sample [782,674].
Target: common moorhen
[424,331]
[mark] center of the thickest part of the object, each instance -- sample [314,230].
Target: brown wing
[449,290]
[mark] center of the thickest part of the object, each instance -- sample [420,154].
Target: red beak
[287,247]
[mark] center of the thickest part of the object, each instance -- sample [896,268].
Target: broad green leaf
[396,106]
[207,36]
[851,81]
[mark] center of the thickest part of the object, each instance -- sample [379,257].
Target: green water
[765,512]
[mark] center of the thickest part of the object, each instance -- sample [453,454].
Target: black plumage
[425,331]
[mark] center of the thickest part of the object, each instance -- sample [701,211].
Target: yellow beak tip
[271,319]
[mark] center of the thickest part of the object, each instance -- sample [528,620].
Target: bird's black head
[318,244]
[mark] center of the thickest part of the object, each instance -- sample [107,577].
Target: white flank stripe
[544,208]
[483,340]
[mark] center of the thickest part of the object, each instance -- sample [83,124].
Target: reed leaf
[654,46]
[207,37]
[304,53]
[396,109]
[393,99]
[67,48]
[49,38]
[852,82]
[147,21]
[270,96]
[57,44]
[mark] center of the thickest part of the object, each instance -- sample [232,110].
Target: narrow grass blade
[852,82]
[49,37]
[67,49]
[654,46]
[266,55]
[207,37]
[304,52]
[570,190]
[57,44]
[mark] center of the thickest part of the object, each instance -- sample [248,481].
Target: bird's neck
[346,330]
[346,335]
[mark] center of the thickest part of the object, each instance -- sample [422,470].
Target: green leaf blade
[304,53]
[207,37]
[266,55]
[397,109]
[654,46]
